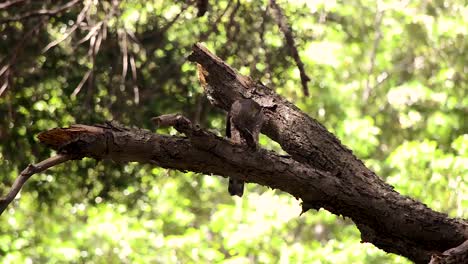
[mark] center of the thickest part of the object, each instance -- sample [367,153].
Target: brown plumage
[243,125]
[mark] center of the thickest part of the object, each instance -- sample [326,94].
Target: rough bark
[387,219]
[320,171]
[202,151]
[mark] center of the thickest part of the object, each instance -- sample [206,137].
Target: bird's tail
[236,187]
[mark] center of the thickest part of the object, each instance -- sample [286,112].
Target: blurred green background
[389,78]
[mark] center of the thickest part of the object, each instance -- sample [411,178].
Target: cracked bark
[387,219]
[320,171]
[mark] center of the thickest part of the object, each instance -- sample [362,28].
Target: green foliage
[393,89]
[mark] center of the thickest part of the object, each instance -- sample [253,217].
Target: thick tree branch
[321,171]
[202,152]
[392,222]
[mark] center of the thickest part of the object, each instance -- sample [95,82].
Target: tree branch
[202,152]
[282,22]
[7,68]
[10,3]
[30,170]
[377,37]
[214,26]
[320,171]
[41,12]
[387,219]
[81,16]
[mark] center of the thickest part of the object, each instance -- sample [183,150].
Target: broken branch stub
[389,220]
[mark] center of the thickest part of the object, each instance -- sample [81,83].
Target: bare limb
[124,49]
[133,38]
[92,56]
[10,3]
[4,86]
[82,82]
[203,36]
[30,170]
[171,120]
[269,71]
[95,36]
[136,90]
[41,12]
[170,23]
[6,72]
[157,33]
[232,21]
[91,33]
[282,22]
[377,38]
[79,19]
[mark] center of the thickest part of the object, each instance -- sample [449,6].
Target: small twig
[7,70]
[168,120]
[124,55]
[10,3]
[91,78]
[133,37]
[232,20]
[82,82]
[214,25]
[79,19]
[263,46]
[165,28]
[96,34]
[4,86]
[173,21]
[282,22]
[160,33]
[41,12]
[30,170]
[6,77]
[181,123]
[136,90]
[377,38]
[4,69]
[92,32]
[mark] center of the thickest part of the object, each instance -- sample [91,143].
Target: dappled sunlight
[387,78]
